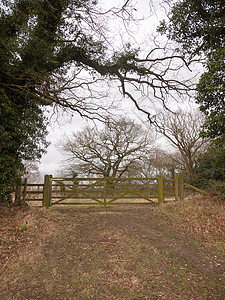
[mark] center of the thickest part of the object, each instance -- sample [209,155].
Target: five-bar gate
[105,191]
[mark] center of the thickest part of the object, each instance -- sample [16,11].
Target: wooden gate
[103,191]
[111,191]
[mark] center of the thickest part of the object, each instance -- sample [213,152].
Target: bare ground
[135,252]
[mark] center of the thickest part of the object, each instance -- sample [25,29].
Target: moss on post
[176,186]
[181,186]
[24,190]
[160,189]
[47,191]
[105,191]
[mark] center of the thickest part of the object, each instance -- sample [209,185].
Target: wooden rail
[32,192]
[104,191]
[195,189]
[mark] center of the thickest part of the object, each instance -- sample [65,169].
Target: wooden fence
[32,193]
[104,191]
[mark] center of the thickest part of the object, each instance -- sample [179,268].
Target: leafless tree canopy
[182,129]
[155,163]
[110,151]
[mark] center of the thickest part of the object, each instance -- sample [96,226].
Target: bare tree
[158,162]
[152,164]
[31,171]
[182,129]
[110,151]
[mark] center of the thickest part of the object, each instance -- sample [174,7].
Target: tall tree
[197,25]
[109,152]
[199,28]
[57,53]
[182,129]
[211,96]
[22,131]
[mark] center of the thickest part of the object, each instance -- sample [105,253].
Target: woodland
[87,58]
[57,54]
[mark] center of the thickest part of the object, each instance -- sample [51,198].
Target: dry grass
[201,216]
[134,252]
[20,226]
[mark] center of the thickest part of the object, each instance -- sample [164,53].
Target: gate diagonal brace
[80,191]
[64,198]
[132,191]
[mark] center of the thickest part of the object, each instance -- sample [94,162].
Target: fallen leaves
[13,231]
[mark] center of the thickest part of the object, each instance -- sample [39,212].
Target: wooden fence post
[181,186]
[160,189]
[176,187]
[47,191]
[18,190]
[105,186]
[24,189]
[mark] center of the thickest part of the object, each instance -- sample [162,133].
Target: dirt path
[113,253]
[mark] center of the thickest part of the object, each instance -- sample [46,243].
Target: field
[175,251]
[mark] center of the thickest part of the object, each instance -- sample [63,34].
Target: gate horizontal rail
[32,192]
[104,191]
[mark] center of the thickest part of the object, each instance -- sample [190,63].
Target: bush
[218,189]
[210,170]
